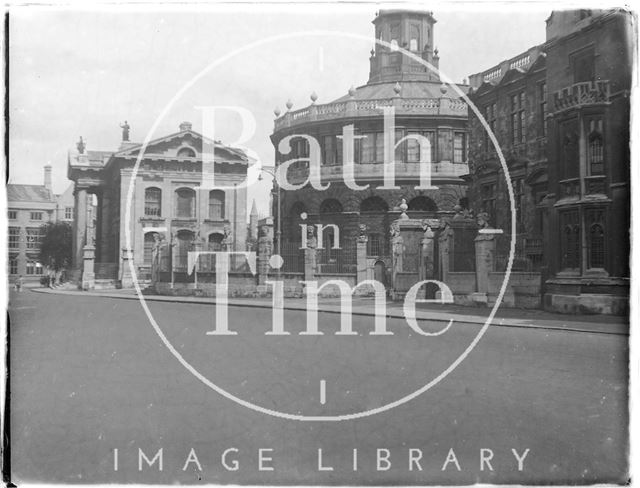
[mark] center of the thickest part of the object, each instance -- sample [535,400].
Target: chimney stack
[47,177]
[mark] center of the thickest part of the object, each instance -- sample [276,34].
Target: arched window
[183,246]
[215,241]
[330,206]
[596,153]
[153,202]
[374,204]
[149,242]
[185,203]
[422,204]
[186,152]
[216,205]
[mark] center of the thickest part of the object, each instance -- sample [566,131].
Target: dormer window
[186,152]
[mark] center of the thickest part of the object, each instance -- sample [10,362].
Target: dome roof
[409,89]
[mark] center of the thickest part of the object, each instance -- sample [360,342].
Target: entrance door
[380,272]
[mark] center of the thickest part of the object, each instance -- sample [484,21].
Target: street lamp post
[272,172]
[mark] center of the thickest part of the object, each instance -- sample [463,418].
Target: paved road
[90,375]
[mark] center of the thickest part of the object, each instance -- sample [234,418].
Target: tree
[56,248]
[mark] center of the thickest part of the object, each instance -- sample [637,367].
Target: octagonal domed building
[422,105]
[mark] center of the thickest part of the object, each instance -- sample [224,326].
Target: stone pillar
[88,275]
[361,258]
[485,245]
[265,250]
[125,279]
[445,240]
[427,268]
[310,258]
[197,247]
[79,230]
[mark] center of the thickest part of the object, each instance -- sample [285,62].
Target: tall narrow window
[216,205]
[570,240]
[379,147]
[596,148]
[570,150]
[490,116]
[399,154]
[518,132]
[583,65]
[328,150]
[459,147]
[68,213]
[13,264]
[185,203]
[368,148]
[152,202]
[488,194]
[596,238]
[14,237]
[543,109]
[34,237]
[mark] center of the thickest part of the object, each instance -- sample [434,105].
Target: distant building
[29,208]
[169,200]
[560,112]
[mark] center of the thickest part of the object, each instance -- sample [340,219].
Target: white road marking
[323,392]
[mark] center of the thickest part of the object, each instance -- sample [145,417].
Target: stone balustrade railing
[582,93]
[368,108]
[362,172]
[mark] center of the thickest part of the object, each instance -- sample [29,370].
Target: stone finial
[289,104]
[443,88]
[276,112]
[435,52]
[397,88]
[185,126]
[465,81]
[352,91]
[81,146]
[403,208]
[372,52]
[314,97]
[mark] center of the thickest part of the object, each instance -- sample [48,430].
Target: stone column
[446,237]
[265,248]
[197,247]
[427,268]
[361,258]
[485,245]
[310,258]
[88,275]
[80,229]
[125,278]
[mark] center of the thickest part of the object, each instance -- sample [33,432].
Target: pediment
[185,145]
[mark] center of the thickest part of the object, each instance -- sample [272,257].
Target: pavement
[504,317]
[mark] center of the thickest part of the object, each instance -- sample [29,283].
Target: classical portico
[170,198]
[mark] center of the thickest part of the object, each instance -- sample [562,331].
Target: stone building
[171,202]
[30,207]
[422,105]
[561,115]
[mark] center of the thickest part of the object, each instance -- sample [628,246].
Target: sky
[84,72]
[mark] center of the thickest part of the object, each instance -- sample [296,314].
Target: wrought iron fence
[341,261]
[293,257]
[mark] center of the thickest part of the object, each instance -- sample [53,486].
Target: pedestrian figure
[19,284]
